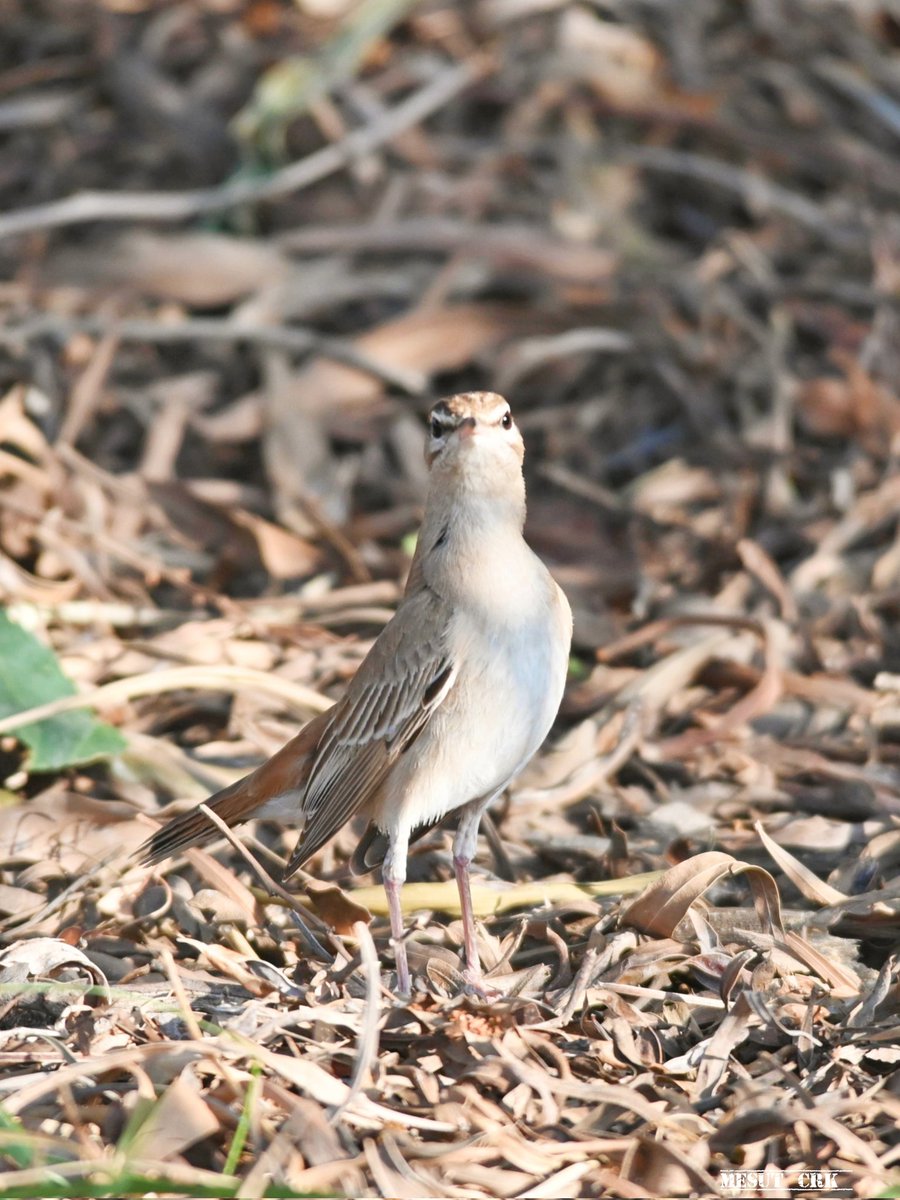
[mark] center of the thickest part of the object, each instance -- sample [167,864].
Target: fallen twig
[182,206]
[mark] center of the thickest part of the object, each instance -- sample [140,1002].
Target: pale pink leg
[470,939]
[464,845]
[394,873]
[392,891]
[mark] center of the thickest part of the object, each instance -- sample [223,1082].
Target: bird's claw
[475,984]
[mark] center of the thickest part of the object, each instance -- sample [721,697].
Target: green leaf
[29,676]
[14,1141]
[242,1130]
[291,87]
[578,668]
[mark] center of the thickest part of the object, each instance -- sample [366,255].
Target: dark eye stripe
[441,420]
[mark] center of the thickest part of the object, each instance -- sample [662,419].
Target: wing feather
[403,680]
[343,804]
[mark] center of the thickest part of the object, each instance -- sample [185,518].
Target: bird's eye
[437,429]
[506,420]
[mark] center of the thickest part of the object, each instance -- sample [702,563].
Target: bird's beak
[467,429]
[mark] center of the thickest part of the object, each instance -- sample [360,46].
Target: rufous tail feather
[284,774]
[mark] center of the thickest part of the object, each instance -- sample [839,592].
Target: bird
[457,693]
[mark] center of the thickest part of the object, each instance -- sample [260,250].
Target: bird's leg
[464,845]
[392,890]
[393,874]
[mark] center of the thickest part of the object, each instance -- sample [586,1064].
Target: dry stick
[55,536]
[648,633]
[215,329]
[527,245]
[367,1045]
[187,1013]
[312,942]
[504,867]
[224,677]
[117,613]
[181,206]
[758,193]
[335,537]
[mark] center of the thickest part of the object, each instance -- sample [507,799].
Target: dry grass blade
[843,980]
[499,897]
[301,918]
[316,1082]
[367,1045]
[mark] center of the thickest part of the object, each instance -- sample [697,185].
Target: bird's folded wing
[403,680]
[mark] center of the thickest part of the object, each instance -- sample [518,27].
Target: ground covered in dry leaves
[234,277]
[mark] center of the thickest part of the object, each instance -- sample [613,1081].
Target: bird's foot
[403,987]
[403,990]
[475,984]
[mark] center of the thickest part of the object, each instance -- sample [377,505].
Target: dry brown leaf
[660,909]
[732,1032]
[232,964]
[201,270]
[843,980]
[241,421]
[761,564]
[760,699]
[226,882]
[560,1184]
[18,584]
[424,340]
[335,907]
[47,958]
[663,1169]
[242,541]
[283,554]
[618,62]
[19,430]
[852,405]
[314,1081]
[18,901]
[178,1120]
[803,879]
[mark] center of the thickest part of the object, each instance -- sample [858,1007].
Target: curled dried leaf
[660,909]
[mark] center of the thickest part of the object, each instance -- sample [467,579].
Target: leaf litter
[672,236]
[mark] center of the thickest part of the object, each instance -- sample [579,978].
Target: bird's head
[473,441]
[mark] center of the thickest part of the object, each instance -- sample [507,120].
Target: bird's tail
[193,828]
[274,789]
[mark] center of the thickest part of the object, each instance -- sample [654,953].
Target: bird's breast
[510,650]
[513,665]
